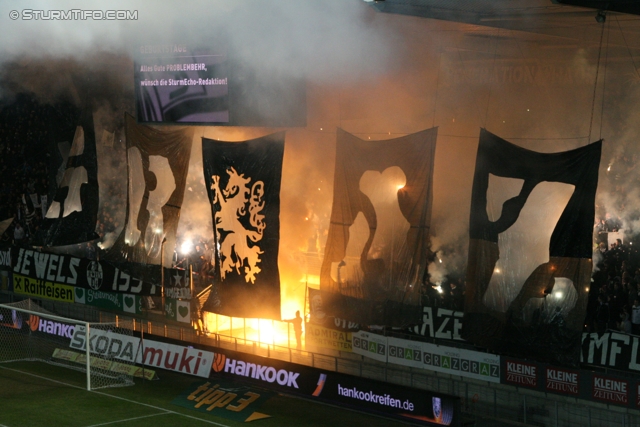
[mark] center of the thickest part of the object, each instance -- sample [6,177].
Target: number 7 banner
[527,296]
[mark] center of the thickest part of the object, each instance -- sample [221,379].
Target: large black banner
[177,283]
[319,316]
[527,296]
[378,244]
[615,350]
[73,212]
[4,225]
[158,162]
[5,257]
[243,183]
[129,278]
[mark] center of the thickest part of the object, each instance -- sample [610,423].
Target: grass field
[35,394]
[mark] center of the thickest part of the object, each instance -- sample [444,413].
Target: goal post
[106,352]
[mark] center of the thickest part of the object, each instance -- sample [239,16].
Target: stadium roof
[549,23]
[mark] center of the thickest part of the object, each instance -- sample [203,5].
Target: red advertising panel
[610,390]
[562,380]
[521,373]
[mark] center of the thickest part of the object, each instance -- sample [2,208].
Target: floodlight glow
[186,247]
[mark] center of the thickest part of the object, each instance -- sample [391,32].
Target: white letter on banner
[615,349]
[633,363]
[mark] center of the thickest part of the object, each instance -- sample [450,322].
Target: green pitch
[35,394]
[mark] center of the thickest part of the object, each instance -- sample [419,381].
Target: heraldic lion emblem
[240,204]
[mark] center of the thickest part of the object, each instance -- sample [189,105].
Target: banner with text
[370,345]
[173,357]
[439,323]
[225,399]
[416,354]
[611,350]
[418,406]
[42,289]
[177,283]
[580,383]
[177,310]
[109,300]
[328,338]
[85,273]
[5,257]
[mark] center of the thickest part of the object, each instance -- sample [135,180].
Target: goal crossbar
[23,337]
[66,320]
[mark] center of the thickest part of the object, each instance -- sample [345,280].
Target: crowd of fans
[614,298]
[448,294]
[27,128]
[29,135]
[614,295]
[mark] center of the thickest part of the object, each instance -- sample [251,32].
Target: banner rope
[595,86]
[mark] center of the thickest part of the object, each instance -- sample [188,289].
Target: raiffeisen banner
[42,289]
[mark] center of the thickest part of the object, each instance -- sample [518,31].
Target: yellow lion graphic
[235,248]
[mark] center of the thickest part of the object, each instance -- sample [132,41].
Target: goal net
[30,333]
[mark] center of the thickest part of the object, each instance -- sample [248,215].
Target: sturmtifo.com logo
[74,15]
